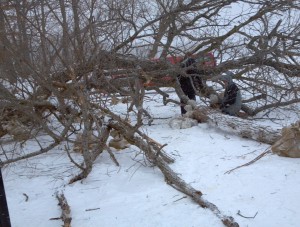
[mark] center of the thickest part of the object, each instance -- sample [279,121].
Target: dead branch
[239,213]
[57,140]
[71,159]
[93,154]
[112,156]
[92,209]
[241,127]
[171,177]
[176,182]
[30,155]
[66,211]
[26,197]
[249,163]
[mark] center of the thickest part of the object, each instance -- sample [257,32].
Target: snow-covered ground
[136,195]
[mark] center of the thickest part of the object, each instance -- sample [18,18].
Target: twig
[239,213]
[160,149]
[33,154]
[180,199]
[26,197]
[112,155]
[52,219]
[93,209]
[72,160]
[251,162]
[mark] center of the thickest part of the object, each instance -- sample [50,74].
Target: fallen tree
[51,76]
[153,152]
[245,128]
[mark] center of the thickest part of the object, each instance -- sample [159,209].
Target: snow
[136,194]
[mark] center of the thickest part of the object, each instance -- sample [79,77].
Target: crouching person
[232,101]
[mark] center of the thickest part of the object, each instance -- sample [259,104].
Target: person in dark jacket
[232,101]
[188,84]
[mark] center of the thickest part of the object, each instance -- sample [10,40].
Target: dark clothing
[188,90]
[230,95]
[188,84]
[232,101]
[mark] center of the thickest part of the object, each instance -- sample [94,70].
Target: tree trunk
[242,127]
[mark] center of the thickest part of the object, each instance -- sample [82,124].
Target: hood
[226,77]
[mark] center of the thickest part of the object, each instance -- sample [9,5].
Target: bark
[65,35]
[66,210]
[78,47]
[90,156]
[241,127]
